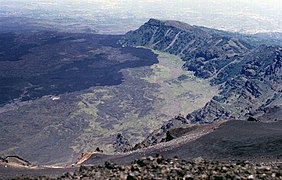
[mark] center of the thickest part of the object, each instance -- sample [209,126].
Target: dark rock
[252,89]
[122,144]
[252,119]
[140,163]
[130,177]
[109,165]
[98,149]
[168,136]
[3,160]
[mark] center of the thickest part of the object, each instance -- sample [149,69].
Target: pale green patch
[156,89]
[179,96]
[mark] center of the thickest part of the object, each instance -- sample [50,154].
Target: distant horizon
[117,17]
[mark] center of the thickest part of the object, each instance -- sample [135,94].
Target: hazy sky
[247,16]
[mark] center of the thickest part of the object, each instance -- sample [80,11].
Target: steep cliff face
[205,51]
[249,76]
[255,88]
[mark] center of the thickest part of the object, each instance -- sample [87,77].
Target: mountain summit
[206,51]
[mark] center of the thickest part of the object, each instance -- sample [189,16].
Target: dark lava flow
[31,65]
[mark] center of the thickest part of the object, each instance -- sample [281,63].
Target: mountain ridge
[226,128]
[248,75]
[249,78]
[191,44]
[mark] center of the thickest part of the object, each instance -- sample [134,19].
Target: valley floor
[148,97]
[81,121]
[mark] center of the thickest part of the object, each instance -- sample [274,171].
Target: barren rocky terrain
[208,97]
[233,149]
[71,93]
[161,168]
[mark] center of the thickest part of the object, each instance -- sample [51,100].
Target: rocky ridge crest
[247,74]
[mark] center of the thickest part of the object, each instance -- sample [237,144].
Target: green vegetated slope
[147,97]
[180,90]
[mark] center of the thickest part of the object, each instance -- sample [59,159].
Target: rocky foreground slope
[234,149]
[161,168]
[231,140]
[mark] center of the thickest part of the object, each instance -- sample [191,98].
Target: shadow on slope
[234,140]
